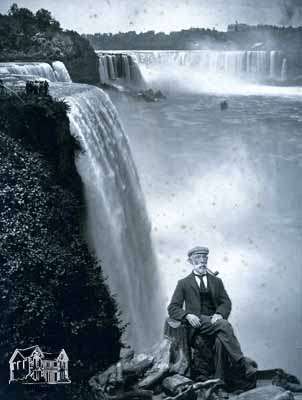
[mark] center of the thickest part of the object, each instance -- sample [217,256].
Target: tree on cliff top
[25,36]
[45,20]
[42,20]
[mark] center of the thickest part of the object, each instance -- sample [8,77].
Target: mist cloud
[291,12]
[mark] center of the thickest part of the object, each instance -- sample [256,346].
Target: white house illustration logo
[32,365]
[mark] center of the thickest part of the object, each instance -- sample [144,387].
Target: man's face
[199,262]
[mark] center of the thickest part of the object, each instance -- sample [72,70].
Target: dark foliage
[189,39]
[43,126]
[52,289]
[80,58]
[25,36]
[17,29]
[243,37]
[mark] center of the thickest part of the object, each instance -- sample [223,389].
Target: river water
[230,180]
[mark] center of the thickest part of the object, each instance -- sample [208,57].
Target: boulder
[268,392]
[176,384]
[161,365]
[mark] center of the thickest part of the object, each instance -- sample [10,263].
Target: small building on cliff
[32,365]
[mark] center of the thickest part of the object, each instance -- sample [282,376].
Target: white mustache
[197,265]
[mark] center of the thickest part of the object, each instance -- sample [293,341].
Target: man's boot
[250,370]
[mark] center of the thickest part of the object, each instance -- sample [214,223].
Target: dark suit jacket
[187,291]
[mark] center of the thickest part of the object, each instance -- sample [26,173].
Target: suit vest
[206,300]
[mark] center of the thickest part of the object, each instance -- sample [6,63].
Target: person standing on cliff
[207,308]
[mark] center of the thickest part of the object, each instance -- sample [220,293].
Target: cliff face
[52,289]
[80,59]
[28,37]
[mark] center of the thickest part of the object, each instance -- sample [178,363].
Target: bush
[43,126]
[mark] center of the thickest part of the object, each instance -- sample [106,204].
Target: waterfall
[126,68]
[240,64]
[110,67]
[118,228]
[284,70]
[103,70]
[274,63]
[55,73]
[120,67]
[61,73]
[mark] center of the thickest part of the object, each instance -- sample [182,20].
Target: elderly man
[207,308]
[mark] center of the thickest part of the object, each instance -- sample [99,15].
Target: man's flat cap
[198,250]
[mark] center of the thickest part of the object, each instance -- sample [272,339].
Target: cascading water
[55,73]
[61,72]
[239,64]
[120,67]
[118,228]
[284,70]
[126,68]
[103,70]
[275,63]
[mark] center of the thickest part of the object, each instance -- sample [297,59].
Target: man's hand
[216,317]
[193,320]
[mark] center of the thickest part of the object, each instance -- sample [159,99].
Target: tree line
[272,37]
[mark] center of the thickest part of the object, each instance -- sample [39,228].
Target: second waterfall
[117,226]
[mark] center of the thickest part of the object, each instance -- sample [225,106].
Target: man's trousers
[225,344]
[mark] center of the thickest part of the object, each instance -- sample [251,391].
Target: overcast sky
[92,16]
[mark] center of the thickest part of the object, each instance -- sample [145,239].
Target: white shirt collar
[204,279]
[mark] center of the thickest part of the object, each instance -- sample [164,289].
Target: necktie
[202,285]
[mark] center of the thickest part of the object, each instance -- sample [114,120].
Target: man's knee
[224,324]
[206,324]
